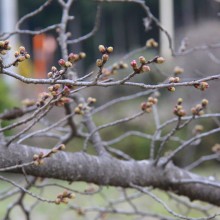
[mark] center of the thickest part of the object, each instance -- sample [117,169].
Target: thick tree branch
[111,171]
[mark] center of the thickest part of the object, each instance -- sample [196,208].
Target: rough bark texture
[110,171]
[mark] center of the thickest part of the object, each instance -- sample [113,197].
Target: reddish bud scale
[133,64]
[61,62]
[73,57]
[66,91]
[143,106]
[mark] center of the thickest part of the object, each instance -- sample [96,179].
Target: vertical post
[8,20]
[9,17]
[167,21]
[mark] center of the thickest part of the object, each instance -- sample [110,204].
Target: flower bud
[102,49]
[198,128]
[2,43]
[20,59]
[68,64]
[56,86]
[49,75]
[143,106]
[145,68]
[16,54]
[82,55]
[134,64]
[99,63]
[27,56]
[61,62]
[91,100]
[204,86]
[73,57]
[53,69]
[151,43]
[171,79]
[179,101]
[105,57]
[204,102]
[176,79]
[142,60]
[178,70]
[22,50]
[171,89]
[57,201]
[72,196]
[160,60]
[110,49]
[62,147]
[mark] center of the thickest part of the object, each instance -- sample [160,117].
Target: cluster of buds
[80,109]
[39,158]
[72,58]
[147,106]
[178,109]
[55,91]
[91,100]
[143,65]
[42,97]
[21,55]
[199,108]
[116,66]
[151,43]
[62,101]
[172,79]
[105,51]
[4,47]
[202,86]
[177,70]
[64,197]
[54,73]
[216,148]
[198,129]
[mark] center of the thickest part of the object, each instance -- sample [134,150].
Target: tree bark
[106,170]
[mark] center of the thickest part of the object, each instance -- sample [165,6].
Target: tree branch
[111,171]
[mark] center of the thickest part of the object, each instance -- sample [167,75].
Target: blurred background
[125,27]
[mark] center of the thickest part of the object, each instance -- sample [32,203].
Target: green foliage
[6,101]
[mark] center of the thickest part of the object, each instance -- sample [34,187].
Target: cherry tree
[99,162]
